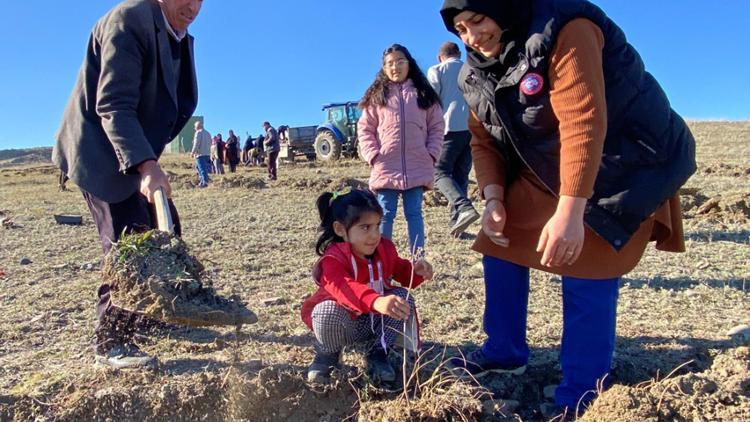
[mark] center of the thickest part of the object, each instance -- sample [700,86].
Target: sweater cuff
[369,299]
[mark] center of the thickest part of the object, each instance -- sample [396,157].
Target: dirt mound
[455,401]
[182,181]
[271,395]
[240,181]
[433,198]
[324,184]
[725,169]
[720,393]
[283,395]
[153,273]
[190,181]
[735,207]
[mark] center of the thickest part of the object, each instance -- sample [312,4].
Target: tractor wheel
[327,148]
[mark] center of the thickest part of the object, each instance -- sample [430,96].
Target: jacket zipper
[402,128]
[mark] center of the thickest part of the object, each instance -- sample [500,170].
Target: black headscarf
[512,16]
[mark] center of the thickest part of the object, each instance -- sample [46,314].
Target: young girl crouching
[355,301]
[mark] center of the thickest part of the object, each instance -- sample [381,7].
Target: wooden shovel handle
[163,213]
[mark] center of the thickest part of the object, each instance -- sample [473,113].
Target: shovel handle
[163,214]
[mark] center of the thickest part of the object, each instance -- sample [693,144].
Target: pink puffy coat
[400,141]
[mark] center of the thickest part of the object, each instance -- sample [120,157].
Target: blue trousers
[589,318]
[412,198]
[202,165]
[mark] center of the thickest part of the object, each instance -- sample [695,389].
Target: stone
[25,261]
[273,301]
[741,332]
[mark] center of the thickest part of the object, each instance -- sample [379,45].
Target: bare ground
[256,239]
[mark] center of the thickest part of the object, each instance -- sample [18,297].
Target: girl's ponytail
[346,207]
[324,205]
[327,235]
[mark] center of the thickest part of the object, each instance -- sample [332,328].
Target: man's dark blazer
[126,105]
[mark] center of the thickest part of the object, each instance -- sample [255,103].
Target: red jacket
[335,276]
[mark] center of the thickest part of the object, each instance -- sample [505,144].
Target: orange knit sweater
[578,101]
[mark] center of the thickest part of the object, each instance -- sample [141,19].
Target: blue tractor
[337,136]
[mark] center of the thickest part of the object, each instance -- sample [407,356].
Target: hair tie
[338,193]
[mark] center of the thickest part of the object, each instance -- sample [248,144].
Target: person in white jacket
[453,167]
[202,152]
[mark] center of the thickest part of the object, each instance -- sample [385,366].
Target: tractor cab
[337,135]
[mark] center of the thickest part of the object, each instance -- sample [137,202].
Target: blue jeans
[589,317]
[412,198]
[202,164]
[452,171]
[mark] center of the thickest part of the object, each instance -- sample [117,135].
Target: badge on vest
[532,84]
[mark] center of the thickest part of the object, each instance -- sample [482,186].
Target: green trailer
[183,142]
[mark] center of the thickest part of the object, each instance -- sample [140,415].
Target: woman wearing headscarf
[579,158]
[232,156]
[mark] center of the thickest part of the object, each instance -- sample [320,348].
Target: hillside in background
[17,157]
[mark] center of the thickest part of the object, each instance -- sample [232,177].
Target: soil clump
[152,273]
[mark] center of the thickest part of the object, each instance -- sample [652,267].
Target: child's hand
[423,269]
[392,306]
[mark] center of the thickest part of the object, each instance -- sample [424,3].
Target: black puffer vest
[649,151]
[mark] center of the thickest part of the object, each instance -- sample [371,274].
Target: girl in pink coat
[400,136]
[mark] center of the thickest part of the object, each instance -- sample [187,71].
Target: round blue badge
[532,84]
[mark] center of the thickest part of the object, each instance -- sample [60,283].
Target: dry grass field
[674,360]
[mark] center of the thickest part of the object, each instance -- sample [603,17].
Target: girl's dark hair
[346,208]
[378,91]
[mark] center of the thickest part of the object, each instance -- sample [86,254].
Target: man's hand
[562,236]
[392,306]
[423,268]
[153,178]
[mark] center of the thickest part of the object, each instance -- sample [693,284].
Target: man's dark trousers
[134,214]
[452,171]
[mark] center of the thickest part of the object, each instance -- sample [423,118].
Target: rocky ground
[674,360]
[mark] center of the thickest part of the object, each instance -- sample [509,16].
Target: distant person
[400,137]
[283,133]
[127,105]
[246,147]
[232,154]
[256,153]
[453,167]
[355,301]
[201,151]
[579,158]
[272,148]
[217,154]
[259,149]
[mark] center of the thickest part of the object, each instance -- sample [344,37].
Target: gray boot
[378,367]
[322,365]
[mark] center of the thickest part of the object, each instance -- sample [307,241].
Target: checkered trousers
[334,328]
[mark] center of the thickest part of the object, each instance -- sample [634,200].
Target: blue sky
[281,60]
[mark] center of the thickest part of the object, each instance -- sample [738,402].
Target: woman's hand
[423,268]
[562,237]
[392,306]
[493,222]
